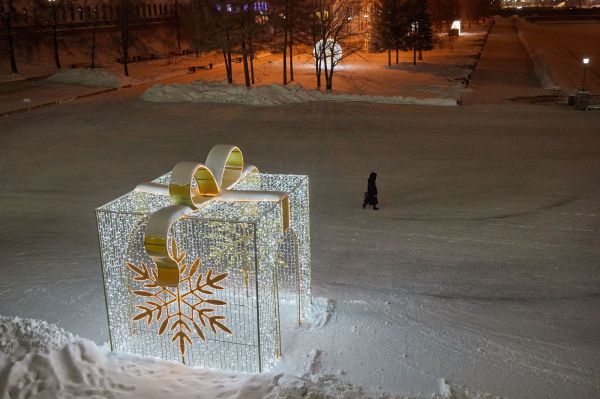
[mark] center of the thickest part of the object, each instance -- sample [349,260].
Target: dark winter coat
[371,194]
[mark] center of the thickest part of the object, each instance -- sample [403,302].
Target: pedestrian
[371,194]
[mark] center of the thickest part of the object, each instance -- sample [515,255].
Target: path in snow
[504,70]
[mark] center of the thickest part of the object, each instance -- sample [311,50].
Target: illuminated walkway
[505,70]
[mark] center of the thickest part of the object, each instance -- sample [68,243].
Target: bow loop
[184,192]
[192,186]
[227,164]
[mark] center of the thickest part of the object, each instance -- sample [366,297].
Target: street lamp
[586,61]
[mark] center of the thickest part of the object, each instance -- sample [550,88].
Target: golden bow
[223,169]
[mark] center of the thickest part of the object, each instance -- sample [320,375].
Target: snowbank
[40,360]
[224,93]
[87,77]
[21,336]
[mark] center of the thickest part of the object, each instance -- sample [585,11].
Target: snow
[87,77]
[21,336]
[477,278]
[38,359]
[538,55]
[274,94]
[557,50]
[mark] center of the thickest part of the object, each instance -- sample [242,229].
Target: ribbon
[223,169]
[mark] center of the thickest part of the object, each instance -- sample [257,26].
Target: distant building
[551,3]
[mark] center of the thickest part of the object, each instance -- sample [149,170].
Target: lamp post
[585,61]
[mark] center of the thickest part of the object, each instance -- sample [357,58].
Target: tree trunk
[10,40]
[177,27]
[389,56]
[55,45]
[315,52]
[285,44]
[93,63]
[329,83]
[228,72]
[414,56]
[291,40]
[228,61]
[125,59]
[420,55]
[317,65]
[55,35]
[230,66]
[251,59]
[245,58]
[396,54]
[123,16]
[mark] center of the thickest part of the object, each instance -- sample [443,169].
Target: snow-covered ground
[478,276]
[440,74]
[88,77]
[557,50]
[438,79]
[224,93]
[38,359]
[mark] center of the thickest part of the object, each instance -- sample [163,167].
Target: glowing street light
[456,26]
[586,61]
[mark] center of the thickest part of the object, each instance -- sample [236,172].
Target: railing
[594,101]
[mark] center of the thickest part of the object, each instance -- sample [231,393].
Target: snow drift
[40,360]
[223,93]
[87,77]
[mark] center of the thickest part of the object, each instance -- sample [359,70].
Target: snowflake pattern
[180,308]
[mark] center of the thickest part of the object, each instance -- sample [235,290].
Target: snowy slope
[557,49]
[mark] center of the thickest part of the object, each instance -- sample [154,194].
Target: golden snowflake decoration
[180,308]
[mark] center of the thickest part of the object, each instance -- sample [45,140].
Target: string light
[244,240]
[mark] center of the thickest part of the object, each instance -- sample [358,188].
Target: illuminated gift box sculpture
[195,264]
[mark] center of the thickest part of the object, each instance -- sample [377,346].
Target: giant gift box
[197,263]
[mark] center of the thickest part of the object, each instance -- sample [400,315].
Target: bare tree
[252,32]
[285,17]
[91,12]
[443,12]
[331,21]
[176,21]
[6,19]
[126,17]
[211,25]
[225,25]
[54,12]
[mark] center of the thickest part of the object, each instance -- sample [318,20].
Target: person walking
[371,194]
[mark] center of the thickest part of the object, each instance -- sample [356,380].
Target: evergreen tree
[424,35]
[383,26]
[389,26]
[418,36]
